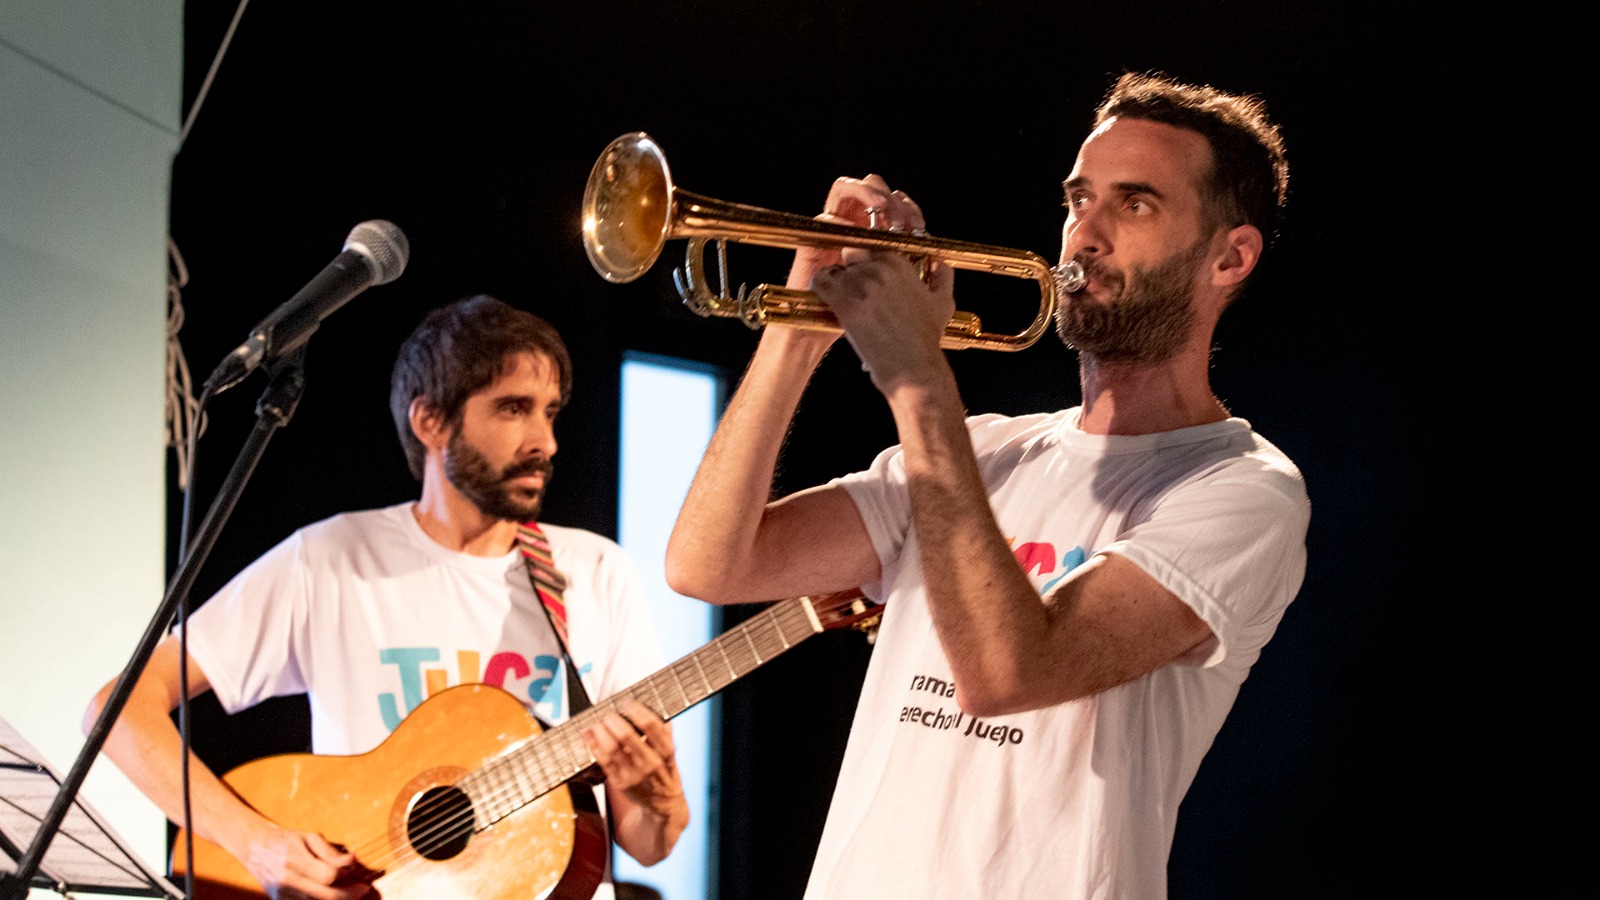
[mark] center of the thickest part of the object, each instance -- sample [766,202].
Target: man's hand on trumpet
[892,317]
[860,202]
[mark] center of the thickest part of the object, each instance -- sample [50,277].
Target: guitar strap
[550,585]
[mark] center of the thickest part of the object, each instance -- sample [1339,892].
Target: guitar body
[554,847]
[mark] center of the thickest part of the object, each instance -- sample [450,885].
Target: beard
[491,491]
[1147,318]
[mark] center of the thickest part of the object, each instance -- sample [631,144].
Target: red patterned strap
[548,582]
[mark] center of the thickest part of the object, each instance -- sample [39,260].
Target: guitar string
[438,821]
[452,825]
[461,824]
[741,660]
[451,822]
[502,789]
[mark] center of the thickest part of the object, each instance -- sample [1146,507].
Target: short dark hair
[461,349]
[1249,180]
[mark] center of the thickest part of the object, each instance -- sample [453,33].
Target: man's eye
[1138,207]
[1075,201]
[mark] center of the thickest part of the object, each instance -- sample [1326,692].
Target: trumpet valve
[686,292]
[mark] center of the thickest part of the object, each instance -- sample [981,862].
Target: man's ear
[1241,251]
[428,424]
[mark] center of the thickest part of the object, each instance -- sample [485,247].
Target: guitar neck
[531,770]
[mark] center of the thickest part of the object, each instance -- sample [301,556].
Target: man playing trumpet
[1029,730]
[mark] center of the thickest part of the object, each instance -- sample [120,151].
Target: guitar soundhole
[440,823]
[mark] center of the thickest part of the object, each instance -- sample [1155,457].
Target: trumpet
[631,209]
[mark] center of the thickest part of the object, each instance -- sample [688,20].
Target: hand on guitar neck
[633,747]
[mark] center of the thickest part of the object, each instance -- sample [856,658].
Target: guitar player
[369,613]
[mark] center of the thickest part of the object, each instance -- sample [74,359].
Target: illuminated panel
[669,409]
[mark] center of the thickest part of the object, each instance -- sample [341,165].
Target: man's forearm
[146,746]
[712,551]
[648,833]
[987,615]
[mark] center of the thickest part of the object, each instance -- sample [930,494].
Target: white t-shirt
[368,616]
[1077,800]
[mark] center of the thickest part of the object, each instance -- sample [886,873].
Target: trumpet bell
[627,208]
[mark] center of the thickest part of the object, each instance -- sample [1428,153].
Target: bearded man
[1072,598]
[371,613]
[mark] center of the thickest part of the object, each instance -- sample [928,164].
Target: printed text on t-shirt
[942,719]
[541,684]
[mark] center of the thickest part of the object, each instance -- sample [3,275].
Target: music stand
[87,855]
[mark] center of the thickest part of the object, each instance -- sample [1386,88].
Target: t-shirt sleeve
[883,498]
[1231,545]
[242,637]
[884,503]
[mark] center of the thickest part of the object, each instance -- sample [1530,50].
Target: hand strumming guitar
[292,865]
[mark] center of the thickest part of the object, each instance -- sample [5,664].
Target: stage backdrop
[89,123]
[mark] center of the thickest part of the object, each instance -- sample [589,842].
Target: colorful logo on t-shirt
[541,684]
[1039,558]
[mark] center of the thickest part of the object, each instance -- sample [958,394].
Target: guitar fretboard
[533,769]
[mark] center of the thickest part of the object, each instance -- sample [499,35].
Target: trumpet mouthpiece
[1070,277]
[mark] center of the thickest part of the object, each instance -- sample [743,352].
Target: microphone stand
[274,409]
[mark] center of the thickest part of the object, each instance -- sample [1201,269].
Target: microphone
[375,253]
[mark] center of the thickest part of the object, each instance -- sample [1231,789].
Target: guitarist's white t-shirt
[369,616]
[1077,800]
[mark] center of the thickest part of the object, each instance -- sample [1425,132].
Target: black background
[473,126]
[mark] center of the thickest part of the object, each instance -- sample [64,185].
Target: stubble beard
[471,474]
[1146,320]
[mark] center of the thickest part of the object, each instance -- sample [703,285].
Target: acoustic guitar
[471,796]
